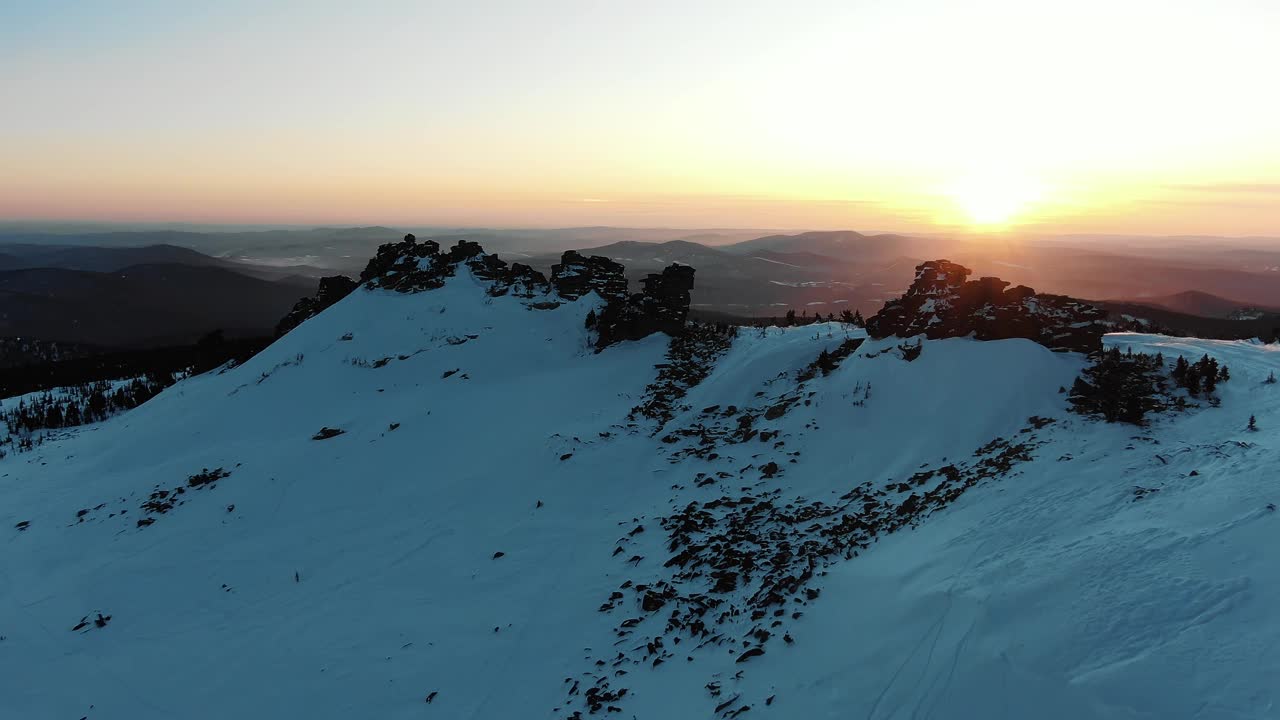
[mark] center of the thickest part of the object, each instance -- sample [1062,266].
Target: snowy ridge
[467,545]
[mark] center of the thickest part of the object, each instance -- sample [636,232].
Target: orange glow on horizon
[916,116]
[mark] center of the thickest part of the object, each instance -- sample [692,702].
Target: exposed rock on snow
[690,357]
[742,566]
[331,290]
[407,266]
[519,280]
[662,306]
[575,276]
[942,303]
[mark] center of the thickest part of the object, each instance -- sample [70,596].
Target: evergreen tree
[1191,381]
[825,362]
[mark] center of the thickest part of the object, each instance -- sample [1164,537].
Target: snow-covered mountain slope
[494,533]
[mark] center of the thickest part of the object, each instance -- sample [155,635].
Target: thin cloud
[1211,202]
[1265,188]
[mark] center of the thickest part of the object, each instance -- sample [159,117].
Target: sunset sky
[1117,116]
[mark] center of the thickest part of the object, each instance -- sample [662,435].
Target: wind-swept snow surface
[472,541]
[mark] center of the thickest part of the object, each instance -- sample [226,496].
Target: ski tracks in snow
[935,632]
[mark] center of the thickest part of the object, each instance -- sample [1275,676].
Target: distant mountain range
[827,271]
[1265,326]
[1194,302]
[314,252]
[757,281]
[845,245]
[139,305]
[99,259]
[741,273]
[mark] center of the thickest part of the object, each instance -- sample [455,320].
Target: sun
[993,200]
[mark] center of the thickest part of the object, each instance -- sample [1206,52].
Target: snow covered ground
[457,540]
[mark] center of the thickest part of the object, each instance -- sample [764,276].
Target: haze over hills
[848,245]
[754,283]
[310,252]
[98,259]
[1194,302]
[745,273]
[817,271]
[141,305]
[315,250]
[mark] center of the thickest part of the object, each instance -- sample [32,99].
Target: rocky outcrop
[518,279]
[661,306]
[523,281]
[943,302]
[407,266]
[669,292]
[331,290]
[410,266]
[576,275]
[414,266]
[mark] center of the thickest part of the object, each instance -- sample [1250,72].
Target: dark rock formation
[519,279]
[413,266]
[464,250]
[524,281]
[670,291]
[484,267]
[331,290]
[662,306]
[407,266]
[575,276]
[943,303]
